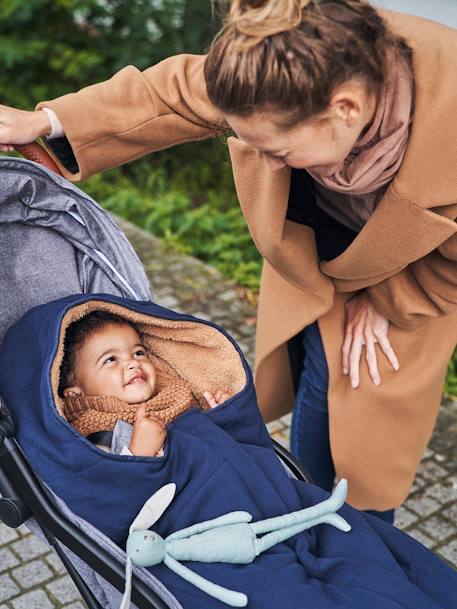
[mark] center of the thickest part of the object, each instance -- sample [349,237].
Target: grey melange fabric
[55,241]
[105,593]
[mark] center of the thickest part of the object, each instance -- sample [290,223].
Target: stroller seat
[57,241]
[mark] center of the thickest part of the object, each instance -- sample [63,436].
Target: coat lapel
[398,233]
[289,247]
[427,176]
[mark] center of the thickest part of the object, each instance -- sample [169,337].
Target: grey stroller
[57,241]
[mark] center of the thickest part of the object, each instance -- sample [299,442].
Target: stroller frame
[23,495]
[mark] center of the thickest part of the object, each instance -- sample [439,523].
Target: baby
[106,364]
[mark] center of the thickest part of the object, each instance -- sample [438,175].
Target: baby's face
[113,362]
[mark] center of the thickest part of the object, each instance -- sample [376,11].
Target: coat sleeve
[134,113]
[425,289]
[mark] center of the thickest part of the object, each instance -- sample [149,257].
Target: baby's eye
[140,353]
[110,359]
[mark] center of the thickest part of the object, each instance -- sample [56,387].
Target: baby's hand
[148,435]
[216,399]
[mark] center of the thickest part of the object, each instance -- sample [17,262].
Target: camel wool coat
[405,257]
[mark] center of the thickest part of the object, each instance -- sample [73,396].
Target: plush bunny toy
[231,538]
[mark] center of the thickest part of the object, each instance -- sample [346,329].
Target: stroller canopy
[57,241]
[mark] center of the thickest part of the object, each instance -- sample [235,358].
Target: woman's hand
[365,326]
[21,127]
[148,435]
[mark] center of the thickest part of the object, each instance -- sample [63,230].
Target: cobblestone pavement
[32,577]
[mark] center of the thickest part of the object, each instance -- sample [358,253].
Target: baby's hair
[75,336]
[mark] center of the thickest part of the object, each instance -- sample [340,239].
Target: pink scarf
[376,157]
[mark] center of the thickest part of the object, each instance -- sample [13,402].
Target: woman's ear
[346,109]
[349,102]
[72,391]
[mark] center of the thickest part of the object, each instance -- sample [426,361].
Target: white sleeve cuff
[126,451]
[56,126]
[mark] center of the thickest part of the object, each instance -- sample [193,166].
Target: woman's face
[321,144]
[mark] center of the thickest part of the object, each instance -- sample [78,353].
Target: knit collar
[91,414]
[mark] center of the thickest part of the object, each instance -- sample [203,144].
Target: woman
[344,166]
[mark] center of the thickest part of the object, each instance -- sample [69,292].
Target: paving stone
[422,538]
[7,534]
[449,552]
[451,513]
[7,559]
[278,437]
[23,530]
[32,574]
[419,482]
[444,491]
[422,505]
[415,488]
[56,564]
[8,588]
[37,599]
[287,419]
[285,433]
[77,605]
[404,518]
[437,528]
[30,547]
[275,426]
[427,454]
[64,590]
[440,458]
[430,470]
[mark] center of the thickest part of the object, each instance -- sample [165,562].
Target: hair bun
[258,19]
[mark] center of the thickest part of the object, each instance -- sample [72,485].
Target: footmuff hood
[194,350]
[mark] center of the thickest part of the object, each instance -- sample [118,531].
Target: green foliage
[51,47]
[185,195]
[450,386]
[187,209]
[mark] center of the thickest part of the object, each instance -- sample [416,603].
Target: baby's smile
[139,377]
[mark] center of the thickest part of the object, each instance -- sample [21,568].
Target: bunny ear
[125,603]
[154,507]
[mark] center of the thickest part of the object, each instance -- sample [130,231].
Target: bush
[192,207]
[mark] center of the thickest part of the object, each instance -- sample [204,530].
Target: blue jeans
[309,439]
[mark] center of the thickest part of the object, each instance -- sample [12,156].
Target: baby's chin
[135,395]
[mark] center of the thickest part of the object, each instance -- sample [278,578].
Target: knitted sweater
[91,414]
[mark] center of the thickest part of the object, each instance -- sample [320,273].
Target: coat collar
[408,223]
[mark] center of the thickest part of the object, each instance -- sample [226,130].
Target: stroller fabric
[56,241]
[221,460]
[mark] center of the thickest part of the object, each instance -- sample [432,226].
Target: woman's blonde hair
[288,56]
